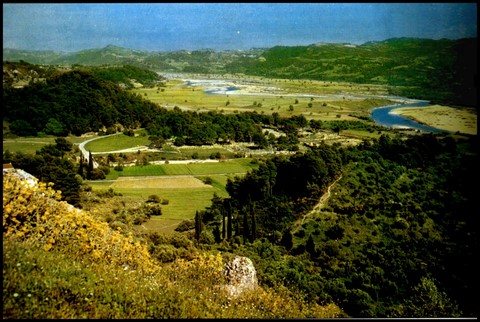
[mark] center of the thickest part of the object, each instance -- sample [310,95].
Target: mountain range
[443,70]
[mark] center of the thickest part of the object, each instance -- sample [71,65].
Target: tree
[253,234]
[229,223]
[224,229]
[63,145]
[287,240]
[80,167]
[198,225]
[216,234]
[310,246]
[90,166]
[246,229]
[429,301]
[54,127]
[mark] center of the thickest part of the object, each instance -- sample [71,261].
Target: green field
[117,142]
[223,167]
[33,144]
[180,184]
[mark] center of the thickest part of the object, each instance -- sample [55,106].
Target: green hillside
[72,102]
[439,70]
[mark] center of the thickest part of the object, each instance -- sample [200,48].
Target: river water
[381,115]
[384,116]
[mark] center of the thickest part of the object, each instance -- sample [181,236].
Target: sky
[227,26]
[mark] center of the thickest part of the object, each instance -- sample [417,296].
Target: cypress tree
[90,165]
[80,167]
[224,229]
[229,223]
[253,234]
[287,240]
[198,226]
[246,229]
[310,246]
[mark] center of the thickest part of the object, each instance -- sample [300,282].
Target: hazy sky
[189,26]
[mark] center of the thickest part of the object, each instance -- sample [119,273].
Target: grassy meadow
[32,144]
[201,168]
[288,104]
[118,142]
[181,188]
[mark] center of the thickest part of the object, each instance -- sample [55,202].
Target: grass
[224,167]
[33,144]
[117,142]
[183,201]
[195,99]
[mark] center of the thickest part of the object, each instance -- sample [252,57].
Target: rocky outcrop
[240,275]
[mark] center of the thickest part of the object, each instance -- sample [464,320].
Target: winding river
[384,116]
[381,115]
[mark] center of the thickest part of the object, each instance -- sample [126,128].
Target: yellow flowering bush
[89,270]
[204,267]
[35,214]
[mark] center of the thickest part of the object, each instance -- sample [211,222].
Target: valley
[296,173]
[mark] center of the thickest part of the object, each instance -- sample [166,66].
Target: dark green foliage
[153,199]
[49,165]
[80,103]
[198,225]
[439,70]
[90,166]
[185,225]
[153,210]
[401,238]
[287,240]
[310,246]
[126,74]
[246,228]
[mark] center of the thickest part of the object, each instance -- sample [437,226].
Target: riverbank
[463,120]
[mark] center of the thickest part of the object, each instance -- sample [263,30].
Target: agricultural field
[181,187]
[191,168]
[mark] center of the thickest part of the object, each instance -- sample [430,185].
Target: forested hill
[19,74]
[73,102]
[438,70]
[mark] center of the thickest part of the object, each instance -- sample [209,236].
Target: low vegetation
[55,256]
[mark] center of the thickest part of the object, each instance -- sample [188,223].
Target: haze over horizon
[227,26]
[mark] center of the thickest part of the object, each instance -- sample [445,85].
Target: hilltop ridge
[438,70]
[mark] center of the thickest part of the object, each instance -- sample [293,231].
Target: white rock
[240,275]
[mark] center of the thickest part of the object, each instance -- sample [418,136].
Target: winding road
[85,153]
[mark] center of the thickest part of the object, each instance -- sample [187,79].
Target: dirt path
[320,203]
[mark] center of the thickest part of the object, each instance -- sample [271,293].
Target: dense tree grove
[74,102]
[396,239]
[125,74]
[193,128]
[52,163]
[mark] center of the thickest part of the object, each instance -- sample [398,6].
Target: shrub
[153,210]
[207,180]
[153,198]
[185,225]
